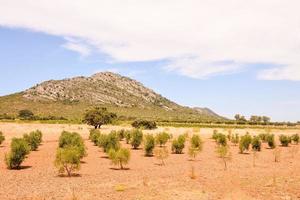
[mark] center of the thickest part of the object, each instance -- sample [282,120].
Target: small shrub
[136,138]
[33,139]
[178,144]
[263,137]
[284,140]
[39,135]
[295,138]
[161,154]
[121,134]
[162,138]
[229,135]
[222,140]
[224,153]
[271,141]
[2,138]
[94,135]
[235,139]
[119,157]
[196,142]
[68,159]
[109,141]
[193,152]
[195,146]
[19,148]
[72,139]
[245,142]
[215,135]
[149,145]
[256,143]
[145,124]
[127,136]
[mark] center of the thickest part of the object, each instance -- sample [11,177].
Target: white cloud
[214,32]
[196,67]
[281,73]
[80,48]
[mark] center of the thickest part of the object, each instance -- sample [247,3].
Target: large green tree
[99,116]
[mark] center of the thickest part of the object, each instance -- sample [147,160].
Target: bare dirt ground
[145,179]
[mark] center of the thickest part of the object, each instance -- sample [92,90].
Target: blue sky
[231,56]
[29,57]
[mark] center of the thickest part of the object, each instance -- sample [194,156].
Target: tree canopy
[99,116]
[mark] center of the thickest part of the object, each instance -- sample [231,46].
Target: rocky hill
[123,95]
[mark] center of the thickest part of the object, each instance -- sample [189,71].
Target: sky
[231,56]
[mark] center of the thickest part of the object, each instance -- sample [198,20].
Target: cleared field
[145,179]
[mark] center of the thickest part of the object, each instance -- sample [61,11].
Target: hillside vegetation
[129,99]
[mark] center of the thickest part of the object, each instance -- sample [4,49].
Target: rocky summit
[120,93]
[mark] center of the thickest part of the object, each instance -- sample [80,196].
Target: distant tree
[243,119]
[266,119]
[237,117]
[240,118]
[26,114]
[99,116]
[145,124]
[253,118]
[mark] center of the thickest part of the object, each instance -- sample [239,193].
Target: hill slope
[128,98]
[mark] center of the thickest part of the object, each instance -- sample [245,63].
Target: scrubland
[144,177]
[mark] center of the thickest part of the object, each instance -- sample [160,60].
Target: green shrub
[109,141]
[256,143]
[245,142]
[72,139]
[195,146]
[39,135]
[295,138]
[161,154]
[32,141]
[162,138]
[215,135]
[178,144]
[149,145]
[119,157]
[94,135]
[68,159]
[127,136]
[222,140]
[196,142]
[263,137]
[2,138]
[271,141]
[229,135]
[136,138]
[121,134]
[284,140]
[19,148]
[145,124]
[235,139]
[224,153]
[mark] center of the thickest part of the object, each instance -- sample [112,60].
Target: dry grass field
[145,179]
